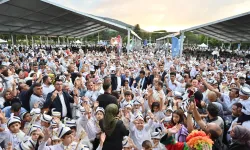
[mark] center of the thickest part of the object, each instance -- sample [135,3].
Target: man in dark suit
[116,81]
[106,98]
[162,72]
[152,76]
[59,100]
[142,80]
[127,77]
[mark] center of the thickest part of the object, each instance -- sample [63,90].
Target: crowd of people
[65,99]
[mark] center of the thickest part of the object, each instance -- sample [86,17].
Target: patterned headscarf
[241,135]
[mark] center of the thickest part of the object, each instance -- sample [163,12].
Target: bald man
[214,127]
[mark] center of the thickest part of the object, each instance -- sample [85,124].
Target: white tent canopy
[78,42]
[2,41]
[203,45]
[44,17]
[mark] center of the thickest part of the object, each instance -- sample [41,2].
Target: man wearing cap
[242,81]
[245,101]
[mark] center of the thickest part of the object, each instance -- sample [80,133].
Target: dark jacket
[130,81]
[145,84]
[106,99]
[114,82]
[24,97]
[57,103]
[237,146]
[163,76]
[115,140]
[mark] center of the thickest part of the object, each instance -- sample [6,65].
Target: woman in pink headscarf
[241,138]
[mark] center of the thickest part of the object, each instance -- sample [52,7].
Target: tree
[137,30]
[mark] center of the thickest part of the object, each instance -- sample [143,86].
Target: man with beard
[47,86]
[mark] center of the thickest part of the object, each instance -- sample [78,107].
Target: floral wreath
[197,139]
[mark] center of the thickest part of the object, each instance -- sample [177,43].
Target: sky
[152,15]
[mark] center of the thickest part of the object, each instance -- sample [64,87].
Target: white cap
[70,123]
[128,105]
[100,109]
[23,114]
[177,94]
[24,145]
[245,91]
[46,118]
[83,147]
[34,128]
[54,134]
[82,109]
[167,119]
[139,116]
[92,68]
[13,119]
[156,135]
[125,142]
[55,113]
[35,111]
[136,102]
[62,131]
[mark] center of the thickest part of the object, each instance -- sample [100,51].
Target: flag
[175,47]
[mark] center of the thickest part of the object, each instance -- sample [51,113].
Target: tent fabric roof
[43,17]
[168,36]
[231,29]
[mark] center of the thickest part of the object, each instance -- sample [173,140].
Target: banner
[175,47]
[145,42]
[239,46]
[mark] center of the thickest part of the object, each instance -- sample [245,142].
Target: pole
[12,39]
[128,42]
[58,40]
[41,42]
[181,43]
[47,40]
[27,42]
[98,38]
[32,41]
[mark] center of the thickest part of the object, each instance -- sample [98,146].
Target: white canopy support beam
[32,40]
[27,41]
[128,42]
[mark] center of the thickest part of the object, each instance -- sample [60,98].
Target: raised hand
[96,104]
[46,134]
[150,91]
[54,95]
[102,137]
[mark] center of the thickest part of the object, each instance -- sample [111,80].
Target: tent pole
[58,40]
[27,42]
[12,39]
[181,43]
[47,40]
[32,41]
[128,42]
[41,42]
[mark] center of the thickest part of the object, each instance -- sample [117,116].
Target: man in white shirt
[174,85]
[47,86]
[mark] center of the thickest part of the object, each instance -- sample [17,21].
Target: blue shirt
[7,111]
